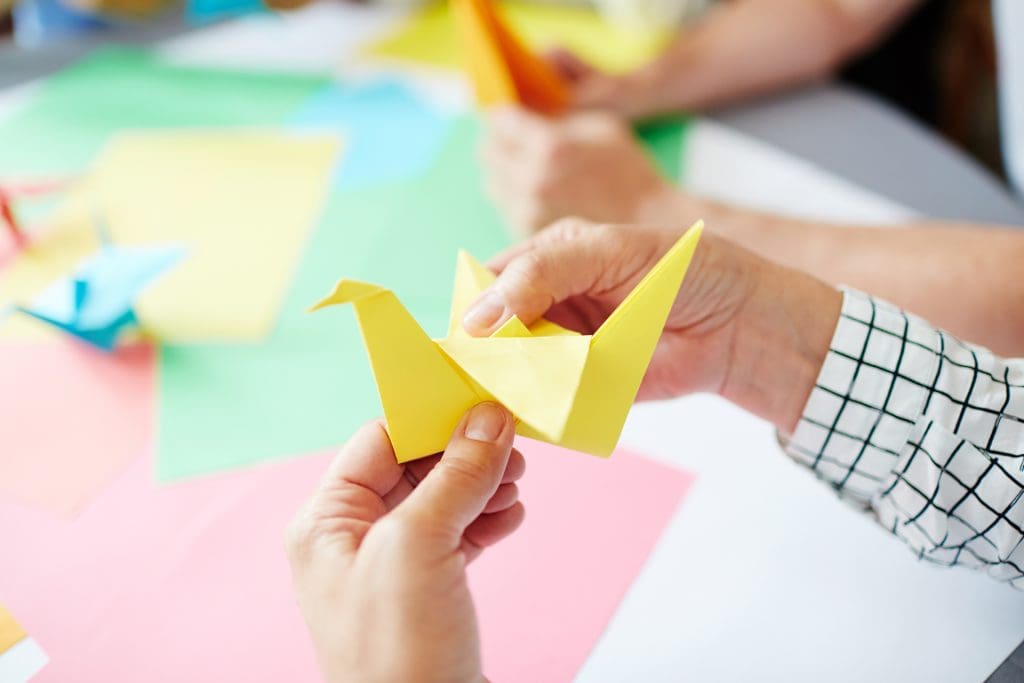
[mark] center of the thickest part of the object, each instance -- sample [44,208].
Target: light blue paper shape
[199,12]
[388,133]
[37,22]
[96,302]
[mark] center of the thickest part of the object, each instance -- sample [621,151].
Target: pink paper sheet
[189,581]
[61,442]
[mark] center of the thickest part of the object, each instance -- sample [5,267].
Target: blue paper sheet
[389,134]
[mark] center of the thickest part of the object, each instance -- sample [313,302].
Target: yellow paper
[241,203]
[11,632]
[428,36]
[564,388]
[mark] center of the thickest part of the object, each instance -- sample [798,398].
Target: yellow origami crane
[502,68]
[565,388]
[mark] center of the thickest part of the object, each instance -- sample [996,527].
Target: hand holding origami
[750,330]
[379,553]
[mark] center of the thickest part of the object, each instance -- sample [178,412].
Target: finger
[568,65]
[505,497]
[489,529]
[366,463]
[350,497]
[457,489]
[412,475]
[515,469]
[417,470]
[555,267]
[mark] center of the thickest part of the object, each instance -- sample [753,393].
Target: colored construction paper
[390,134]
[567,389]
[503,70]
[20,656]
[22,662]
[665,141]
[307,387]
[96,302]
[38,22]
[10,630]
[73,418]
[428,36]
[65,124]
[242,204]
[190,580]
[206,11]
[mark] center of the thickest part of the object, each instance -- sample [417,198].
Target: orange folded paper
[503,69]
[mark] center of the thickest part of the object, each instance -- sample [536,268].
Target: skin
[590,165]
[739,50]
[379,554]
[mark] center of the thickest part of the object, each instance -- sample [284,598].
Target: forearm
[780,341]
[964,278]
[748,47]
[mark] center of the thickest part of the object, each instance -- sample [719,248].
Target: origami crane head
[565,388]
[502,68]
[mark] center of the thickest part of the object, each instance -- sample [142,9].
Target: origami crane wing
[563,387]
[502,68]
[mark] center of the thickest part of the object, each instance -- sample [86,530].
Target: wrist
[782,334]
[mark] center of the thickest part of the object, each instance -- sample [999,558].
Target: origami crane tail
[423,394]
[621,350]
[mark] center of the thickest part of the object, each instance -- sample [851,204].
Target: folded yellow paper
[502,68]
[565,388]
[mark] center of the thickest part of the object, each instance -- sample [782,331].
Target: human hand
[379,553]
[743,327]
[632,95]
[538,170]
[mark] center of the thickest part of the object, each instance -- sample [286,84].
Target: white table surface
[762,574]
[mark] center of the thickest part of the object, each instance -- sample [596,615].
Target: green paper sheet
[428,36]
[310,385]
[61,128]
[665,141]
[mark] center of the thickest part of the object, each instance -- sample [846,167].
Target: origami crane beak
[347,291]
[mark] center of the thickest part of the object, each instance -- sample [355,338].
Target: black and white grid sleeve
[926,432]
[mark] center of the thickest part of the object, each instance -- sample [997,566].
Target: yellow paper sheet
[241,203]
[568,389]
[428,36]
[11,631]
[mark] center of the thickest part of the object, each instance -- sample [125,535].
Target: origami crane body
[565,388]
[502,68]
[95,303]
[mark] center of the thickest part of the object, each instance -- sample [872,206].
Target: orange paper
[502,68]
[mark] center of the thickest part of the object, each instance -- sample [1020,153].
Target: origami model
[502,68]
[95,303]
[565,388]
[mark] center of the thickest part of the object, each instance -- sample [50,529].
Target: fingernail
[484,313]
[486,423]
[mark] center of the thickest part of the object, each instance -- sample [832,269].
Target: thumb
[567,64]
[570,258]
[457,489]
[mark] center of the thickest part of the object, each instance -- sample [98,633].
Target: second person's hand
[742,327]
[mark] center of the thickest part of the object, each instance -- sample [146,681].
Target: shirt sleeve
[925,432]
